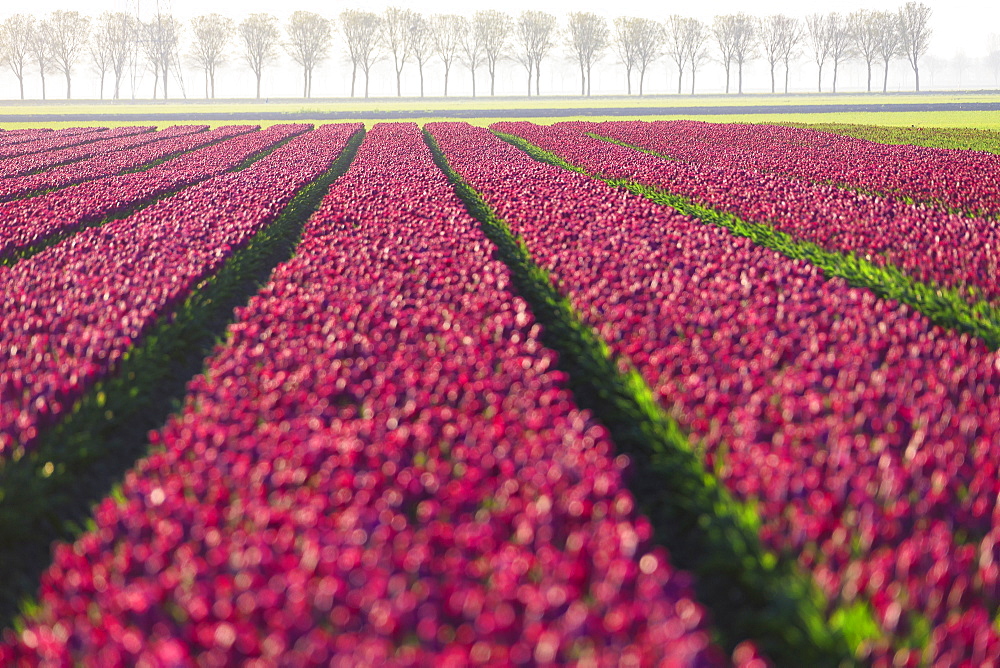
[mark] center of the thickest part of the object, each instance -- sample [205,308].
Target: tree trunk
[473,83]
[20,81]
[727,77]
[583,81]
[212,81]
[680,79]
[739,77]
[165,81]
[786,77]
[692,80]
[354,77]
[156,81]
[367,79]
[529,79]
[835,65]
[493,81]
[538,78]
[102,85]
[399,83]
[819,79]
[869,76]
[68,86]
[206,83]
[642,80]
[258,85]
[916,74]
[628,80]
[446,68]
[885,76]
[305,83]
[420,68]
[590,78]
[772,78]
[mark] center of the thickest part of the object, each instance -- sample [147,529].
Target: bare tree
[534,33]
[15,45]
[992,56]
[588,37]
[101,49]
[309,40]
[41,50]
[841,43]
[67,35]
[778,34]
[744,45]
[260,43]
[677,32]
[446,40]
[698,49]
[914,34]
[625,45]
[819,37]
[397,38]
[790,46]
[122,33]
[422,45]
[160,41]
[473,51]
[864,33]
[725,31]
[495,28]
[649,37]
[889,45]
[211,37]
[961,63]
[361,30]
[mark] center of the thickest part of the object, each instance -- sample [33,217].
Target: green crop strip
[960,309]
[751,593]
[28,251]
[47,494]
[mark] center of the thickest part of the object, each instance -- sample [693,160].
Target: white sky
[959,27]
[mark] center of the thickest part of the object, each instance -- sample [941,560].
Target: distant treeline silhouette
[121,48]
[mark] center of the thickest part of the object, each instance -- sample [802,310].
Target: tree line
[119,46]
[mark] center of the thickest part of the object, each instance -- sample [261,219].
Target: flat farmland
[587,391]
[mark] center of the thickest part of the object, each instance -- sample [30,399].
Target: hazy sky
[959,27]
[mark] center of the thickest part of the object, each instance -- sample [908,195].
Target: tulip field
[616,393]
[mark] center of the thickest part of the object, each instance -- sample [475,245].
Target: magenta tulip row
[39,162]
[380,467]
[28,223]
[24,135]
[868,439]
[69,313]
[930,245]
[114,161]
[954,179]
[53,142]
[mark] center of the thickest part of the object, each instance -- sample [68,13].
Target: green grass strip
[961,309]
[750,592]
[47,495]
